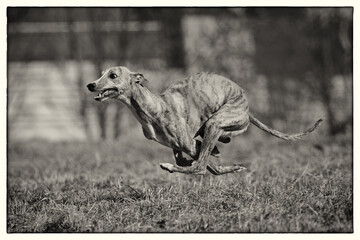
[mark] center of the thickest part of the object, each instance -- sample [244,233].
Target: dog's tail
[281,135]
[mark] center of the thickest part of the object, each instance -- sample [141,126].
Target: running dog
[206,105]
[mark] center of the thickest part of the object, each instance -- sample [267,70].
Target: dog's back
[199,96]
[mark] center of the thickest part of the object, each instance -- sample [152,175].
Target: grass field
[303,186]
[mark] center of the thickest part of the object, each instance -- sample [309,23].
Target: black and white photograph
[179,119]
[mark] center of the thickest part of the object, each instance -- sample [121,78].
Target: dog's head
[115,82]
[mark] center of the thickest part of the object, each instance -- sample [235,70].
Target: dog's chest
[154,127]
[158,134]
[152,131]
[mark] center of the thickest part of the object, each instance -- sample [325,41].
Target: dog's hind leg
[180,160]
[212,167]
[230,118]
[216,169]
[212,134]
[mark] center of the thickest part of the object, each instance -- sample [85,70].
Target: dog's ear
[138,78]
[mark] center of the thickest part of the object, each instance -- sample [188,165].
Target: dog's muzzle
[103,94]
[91,87]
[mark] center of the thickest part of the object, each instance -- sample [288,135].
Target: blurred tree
[302,50]
[280,56]
[222,44]
[96,16]
[330,44]
[172,32]
[76,53]
[123,17]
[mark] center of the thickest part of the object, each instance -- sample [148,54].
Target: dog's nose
[91,87]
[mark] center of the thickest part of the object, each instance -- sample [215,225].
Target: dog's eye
[113,75]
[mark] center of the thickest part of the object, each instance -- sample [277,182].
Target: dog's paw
[167,166]
[239,168]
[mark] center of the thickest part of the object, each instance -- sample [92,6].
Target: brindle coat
[206,105]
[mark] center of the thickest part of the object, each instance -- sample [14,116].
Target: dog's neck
[146,105]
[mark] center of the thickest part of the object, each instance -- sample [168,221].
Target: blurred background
[295,64]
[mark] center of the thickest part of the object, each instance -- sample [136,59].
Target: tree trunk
[123,46]
[98,59]
[326,74]
[77,54]
[172,30]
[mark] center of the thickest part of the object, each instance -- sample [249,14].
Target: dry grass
[288,187]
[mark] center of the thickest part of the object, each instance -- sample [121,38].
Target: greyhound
[206,105]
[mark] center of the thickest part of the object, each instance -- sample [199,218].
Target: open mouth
[106,94]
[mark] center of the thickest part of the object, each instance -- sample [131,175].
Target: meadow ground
[303,186]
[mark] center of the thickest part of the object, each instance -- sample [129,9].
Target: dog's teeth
[104,94]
